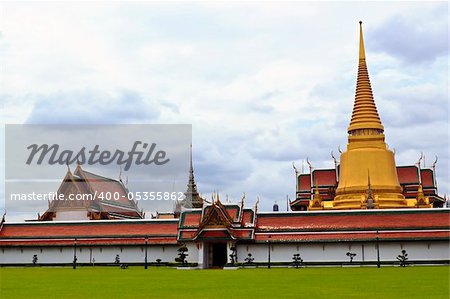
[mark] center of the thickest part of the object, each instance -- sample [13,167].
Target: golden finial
[422,200]
[365,115]
[420,190]
[317,188]
[317,199]
[362,52]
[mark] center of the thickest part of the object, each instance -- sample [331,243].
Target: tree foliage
[351,255]
[182,255]
[249,259]
[297,261]
[402,258]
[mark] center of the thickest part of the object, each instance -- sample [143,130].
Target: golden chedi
[368,176]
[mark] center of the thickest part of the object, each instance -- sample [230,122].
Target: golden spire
[316,202]
[317,193]
[422,200]
[367,175]
[370,199]
[365,114]
[362,52]
[420,191]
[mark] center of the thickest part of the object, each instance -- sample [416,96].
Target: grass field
[135,282]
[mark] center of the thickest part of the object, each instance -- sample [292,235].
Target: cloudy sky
[262,83]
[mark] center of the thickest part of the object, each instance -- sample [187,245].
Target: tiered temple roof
[219,222]
[95,205]
[410,177]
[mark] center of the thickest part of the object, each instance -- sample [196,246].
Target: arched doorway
[216,254]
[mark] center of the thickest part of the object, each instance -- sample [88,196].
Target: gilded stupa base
[358,201]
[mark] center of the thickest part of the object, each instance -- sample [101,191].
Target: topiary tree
[158,262]
[249,259]
[35,259]
[182,254]
[402,258]
[233,255]
[297,261]
[351,255]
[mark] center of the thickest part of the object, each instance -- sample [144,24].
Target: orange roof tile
[347,236]
[408,175]
[354,220]
[427,178]
[106,228]
[324,177]
[304,182]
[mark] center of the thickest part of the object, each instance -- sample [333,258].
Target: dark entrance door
[219,254]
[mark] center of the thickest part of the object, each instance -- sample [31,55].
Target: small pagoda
[192,199]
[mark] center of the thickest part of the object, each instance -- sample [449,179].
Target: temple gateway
[365,210]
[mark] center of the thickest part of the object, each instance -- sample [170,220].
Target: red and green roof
[89,232]
[214,223]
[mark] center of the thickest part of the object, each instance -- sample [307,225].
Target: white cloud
[93,107]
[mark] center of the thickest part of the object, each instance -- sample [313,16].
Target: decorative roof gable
[216,216]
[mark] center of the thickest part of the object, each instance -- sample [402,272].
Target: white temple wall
[98,254]
[416,250]
[336,252]
[193,252]
[309,252]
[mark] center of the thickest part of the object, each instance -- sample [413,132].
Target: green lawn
[135,282]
